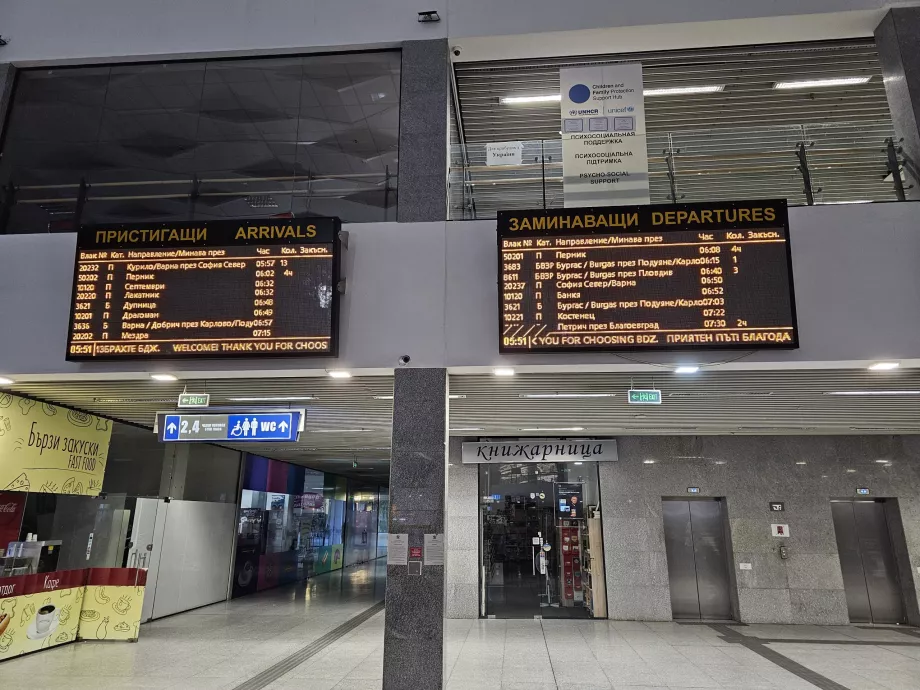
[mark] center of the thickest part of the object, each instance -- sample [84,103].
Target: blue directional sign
[236,427]
[261,427]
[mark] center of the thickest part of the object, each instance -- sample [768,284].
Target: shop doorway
[694,535]
[867,561]
[541,541]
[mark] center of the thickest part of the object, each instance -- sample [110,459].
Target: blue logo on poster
[579,93]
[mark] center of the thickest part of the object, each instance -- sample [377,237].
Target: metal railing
[825,163]
[66,206]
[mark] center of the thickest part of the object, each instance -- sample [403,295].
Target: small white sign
[780,530]
[504,153]
[535,541]
[397,549]
[434,549]
[89,546]
[746,566]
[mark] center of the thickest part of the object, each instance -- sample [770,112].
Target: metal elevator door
[697,560]
[867,561]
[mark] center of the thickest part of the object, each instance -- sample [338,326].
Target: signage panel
[194,400]
[206,289]
[48,449]
[604,150]
[504,153]
[249,426]
[539,450]
[638,396]
[661,277]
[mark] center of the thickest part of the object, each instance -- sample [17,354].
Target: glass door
[533,518]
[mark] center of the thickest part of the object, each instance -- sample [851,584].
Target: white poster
[397,549]
[434,549]
[604,155]
[504,153]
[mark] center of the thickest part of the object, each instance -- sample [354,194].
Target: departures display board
[206,289]
[660,277]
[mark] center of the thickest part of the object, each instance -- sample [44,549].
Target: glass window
[272,137]
[361,525]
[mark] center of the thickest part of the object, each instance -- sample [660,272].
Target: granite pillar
[414,632]
[898,41]
[462,536]
[423,111]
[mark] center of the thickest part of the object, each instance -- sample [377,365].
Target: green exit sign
[194,400]
[644,397]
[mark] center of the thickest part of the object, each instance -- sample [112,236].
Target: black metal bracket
[672,174]
[81,204]
[806,173]
[7,201]
[894,167]
[4,41]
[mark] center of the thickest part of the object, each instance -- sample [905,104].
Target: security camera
[404,360]
[456,50]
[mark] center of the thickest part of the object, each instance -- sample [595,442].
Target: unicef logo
[579,93]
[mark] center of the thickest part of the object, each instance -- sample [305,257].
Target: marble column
[898,41]
[414,632]
[423,109]
[462,505]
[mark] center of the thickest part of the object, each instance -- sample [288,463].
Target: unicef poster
[604,154]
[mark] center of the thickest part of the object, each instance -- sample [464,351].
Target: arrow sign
[237,428]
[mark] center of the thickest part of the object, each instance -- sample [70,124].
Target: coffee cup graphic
[45,618]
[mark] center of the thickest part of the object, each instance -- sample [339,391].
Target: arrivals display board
[660,277]
[206,289]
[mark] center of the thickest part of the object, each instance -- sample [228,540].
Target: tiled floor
[226,645]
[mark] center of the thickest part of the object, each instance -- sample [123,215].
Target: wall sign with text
[661,277]
[206,289]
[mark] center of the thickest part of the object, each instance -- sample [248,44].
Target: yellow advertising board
[49,449]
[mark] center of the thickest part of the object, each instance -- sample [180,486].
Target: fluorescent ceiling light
[648,462]
[687,369]
[579,462]
[390,397]
[818,83]
[683,90]
[339,374]
[850,471]
[544,396]
[503,371]
[550,98]
[883,462]
[468,428]
[276,398]
[801,462]
[872,393]
[4,381]
[558,428]
[884,366]
[164,377]
[338,431]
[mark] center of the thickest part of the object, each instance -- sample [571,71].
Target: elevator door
[867,562]
[697,559]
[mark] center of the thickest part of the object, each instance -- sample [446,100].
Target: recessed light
[550,98]
[503,371]
[883,462]
[648,462]
[820,83]
[383,397]
[164,377]
[801,462]
[683,90]
[851,471]
[546,396]
[884,366]
[871,393]
[687,369]
[558,428]
[4,381]
[579,462]
[467,428]
[275,398]
[721,462]
[339,374]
